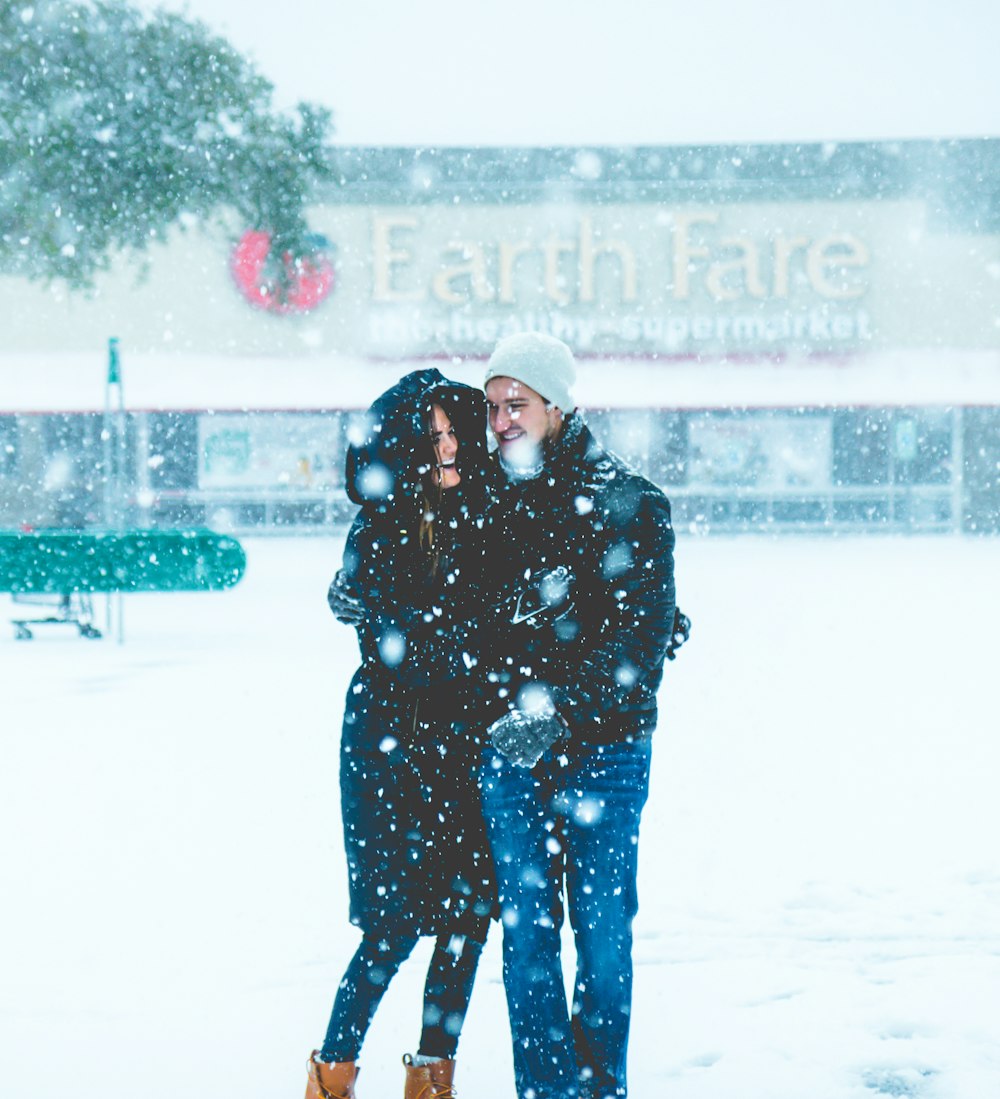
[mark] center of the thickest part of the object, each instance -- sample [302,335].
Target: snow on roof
[43,383]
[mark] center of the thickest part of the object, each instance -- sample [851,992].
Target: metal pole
[106,454]
[115,458]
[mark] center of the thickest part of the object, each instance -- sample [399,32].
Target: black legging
[447,991]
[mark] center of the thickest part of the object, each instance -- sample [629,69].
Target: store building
[785,337]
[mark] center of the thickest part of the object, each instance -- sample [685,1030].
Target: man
[585,567]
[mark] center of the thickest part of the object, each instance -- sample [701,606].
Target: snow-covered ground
[820,866]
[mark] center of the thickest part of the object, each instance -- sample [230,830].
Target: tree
[115,126]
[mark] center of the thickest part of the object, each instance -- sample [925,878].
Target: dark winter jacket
[582,558]
[393,575]
[416,849]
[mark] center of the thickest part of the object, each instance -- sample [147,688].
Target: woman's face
[445,443]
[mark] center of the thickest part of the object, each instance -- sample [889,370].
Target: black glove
[525,737]
[679,634]
[344,601]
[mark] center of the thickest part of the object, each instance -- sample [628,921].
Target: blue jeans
[568,831]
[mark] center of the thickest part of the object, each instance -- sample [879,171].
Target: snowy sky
[551,72]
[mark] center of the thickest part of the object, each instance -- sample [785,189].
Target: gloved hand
[524,736]
[679,634]
[344,601]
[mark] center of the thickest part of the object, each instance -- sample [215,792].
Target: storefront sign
[637,279]
[692,251]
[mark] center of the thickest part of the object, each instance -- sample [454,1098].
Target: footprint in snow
[897,1081]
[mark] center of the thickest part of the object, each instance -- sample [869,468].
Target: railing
[719,510]
[857,509]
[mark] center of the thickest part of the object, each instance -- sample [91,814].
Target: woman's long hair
[432,484]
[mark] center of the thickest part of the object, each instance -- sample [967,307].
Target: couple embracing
[513,612]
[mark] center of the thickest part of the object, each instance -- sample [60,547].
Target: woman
[417,854]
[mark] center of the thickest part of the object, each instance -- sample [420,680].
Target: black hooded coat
[417,853]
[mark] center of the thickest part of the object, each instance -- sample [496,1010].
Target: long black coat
[416,848]
[597,635]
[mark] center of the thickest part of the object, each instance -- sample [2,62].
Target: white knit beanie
[541,362]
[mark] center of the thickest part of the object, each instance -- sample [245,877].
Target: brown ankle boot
[431,1081]
[331,1081]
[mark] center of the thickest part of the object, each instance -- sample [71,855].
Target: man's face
[520,420]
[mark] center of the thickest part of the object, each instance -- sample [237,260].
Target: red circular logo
[281,284]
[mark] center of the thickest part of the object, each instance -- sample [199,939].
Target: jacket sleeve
[408,628]
[638,568]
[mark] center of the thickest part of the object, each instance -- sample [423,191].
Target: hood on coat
[392,451]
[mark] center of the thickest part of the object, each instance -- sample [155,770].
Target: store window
[652,441]
[273,451]
[922,446]
[668,451]
[776,452]
[173,450]
[861,447]
[72,474]
[628,432]
[8,446]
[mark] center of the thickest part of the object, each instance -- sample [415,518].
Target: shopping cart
[61,571]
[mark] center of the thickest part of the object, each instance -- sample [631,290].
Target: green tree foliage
[115,125]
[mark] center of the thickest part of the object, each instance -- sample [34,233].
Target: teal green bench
[64,569]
